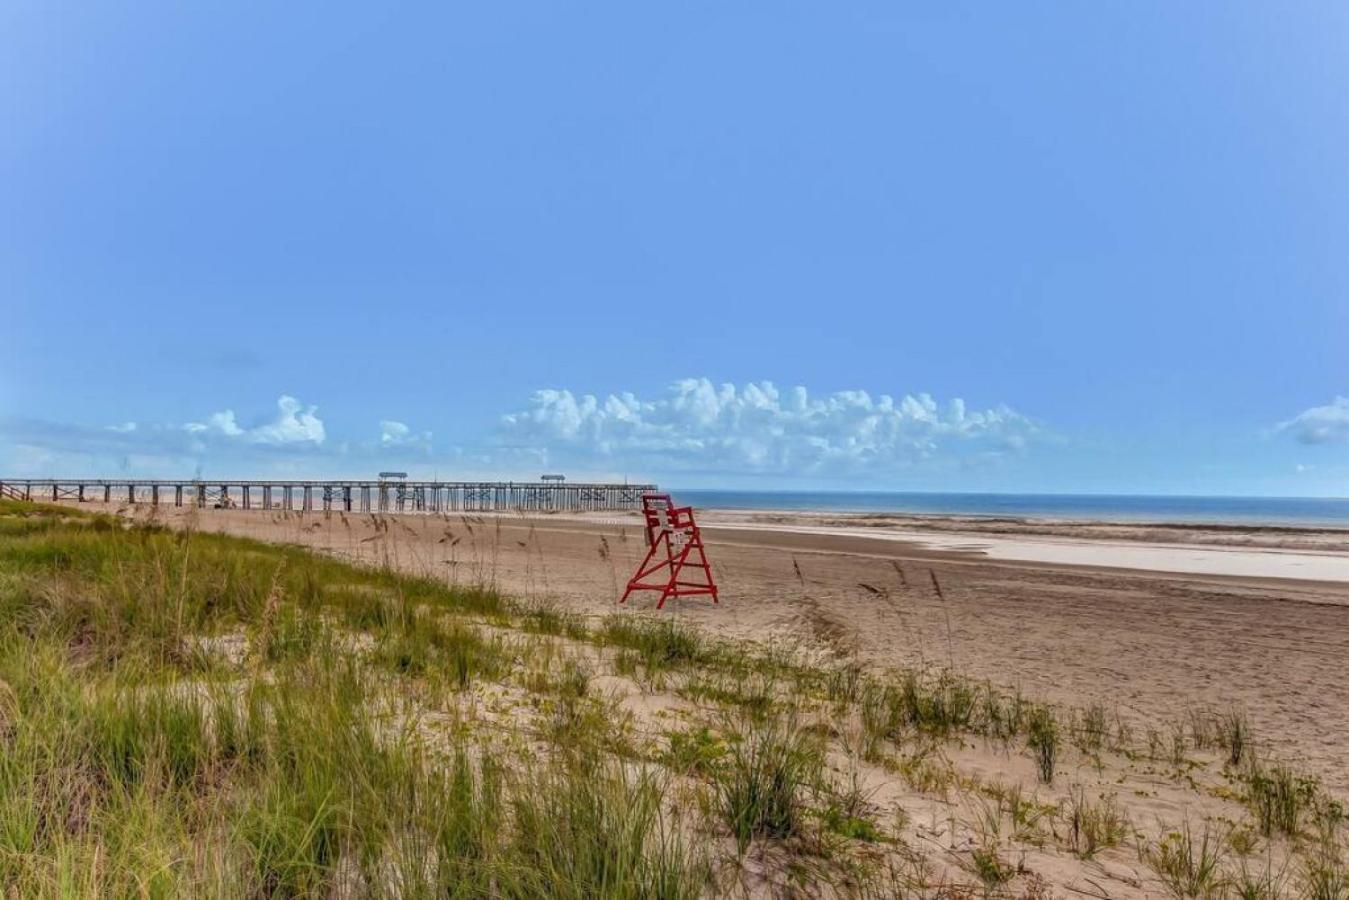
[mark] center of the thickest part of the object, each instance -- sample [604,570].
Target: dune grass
[188,714]
[134,765]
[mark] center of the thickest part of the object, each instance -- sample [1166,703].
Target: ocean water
[1305,511]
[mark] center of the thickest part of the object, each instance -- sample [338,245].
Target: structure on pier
[348,496]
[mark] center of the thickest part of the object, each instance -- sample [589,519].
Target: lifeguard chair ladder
[676,563]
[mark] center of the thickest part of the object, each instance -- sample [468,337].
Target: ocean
[1302,511]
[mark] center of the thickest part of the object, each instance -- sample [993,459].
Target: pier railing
[349,496]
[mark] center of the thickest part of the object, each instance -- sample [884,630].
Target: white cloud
[295,423]
[397,434]
[696,425]
[124,428]
[1327,424]
[217,423]
[391,432]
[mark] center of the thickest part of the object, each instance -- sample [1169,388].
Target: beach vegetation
[192,714]
[1043,740]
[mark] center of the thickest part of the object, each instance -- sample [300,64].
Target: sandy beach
[1299,555]
[1150,620]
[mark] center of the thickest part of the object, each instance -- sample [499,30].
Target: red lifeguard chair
[675,553]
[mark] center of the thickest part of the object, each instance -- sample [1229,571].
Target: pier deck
[348,496]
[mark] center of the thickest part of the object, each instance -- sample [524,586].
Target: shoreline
[1266,553]
[1332,542]
[994,521]
[989,520]
[1315,513]
[1261,563]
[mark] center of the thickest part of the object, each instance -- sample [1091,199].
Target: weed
[1234,736]
[660,643]
[882,716]
[1094,825]
[844,684]
[1178,744]
[754,695]
[546,619]
[1043,740]
[1093,727]
[1324,875]
[1025,813]
[845,812]
[575,680]
[990,868]
[1205,728]
[1267,883]
[592,829]
[1279,798]
[1188,868]
[770,765]
[695,752]
[1243,840]
[626,662]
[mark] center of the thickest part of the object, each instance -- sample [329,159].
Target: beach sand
[1150,620]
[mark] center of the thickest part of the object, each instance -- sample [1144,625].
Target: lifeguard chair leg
[672,533]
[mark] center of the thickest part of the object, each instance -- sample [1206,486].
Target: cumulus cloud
[760,428]
[1327,424]
[391,432]
[292,439]
[295,423]
[394,434]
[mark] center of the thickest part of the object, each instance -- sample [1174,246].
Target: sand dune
[1246,627]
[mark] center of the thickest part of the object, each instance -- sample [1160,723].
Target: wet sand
[1243,560]
[1149,644]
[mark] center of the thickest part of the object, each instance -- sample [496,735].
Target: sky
[1022,247]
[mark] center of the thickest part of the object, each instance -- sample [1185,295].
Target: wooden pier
[348,496]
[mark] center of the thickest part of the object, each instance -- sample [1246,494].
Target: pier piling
[346,495]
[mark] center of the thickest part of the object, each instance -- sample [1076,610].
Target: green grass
[1094,825]
[1190,866]
[990,868]
[761,788]
[187,714]
[698,751]
[545,619]
[660,643]
[130,768]
[1093,728]
[1280,798]
[591,828]
[1043,740]
[1235,736]
[754,695]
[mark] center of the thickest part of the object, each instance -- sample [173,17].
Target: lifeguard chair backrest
[663,516]
[675,563]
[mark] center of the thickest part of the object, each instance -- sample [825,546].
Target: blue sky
[1020,247]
